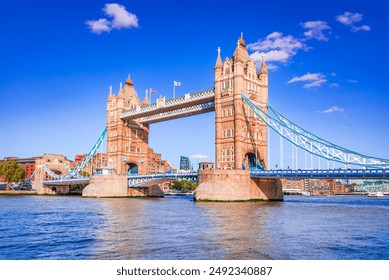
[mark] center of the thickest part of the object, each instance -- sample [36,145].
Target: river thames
[176,228]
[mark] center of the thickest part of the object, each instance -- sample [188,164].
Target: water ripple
[337,227]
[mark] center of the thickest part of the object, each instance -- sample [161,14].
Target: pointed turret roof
[263,69]
[129,81]
[241,53]
[129,90]
[219,64]
[120,94]
[146,100]
[110,93]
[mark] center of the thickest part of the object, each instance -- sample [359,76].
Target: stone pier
[236,185]
[52,190]
[117,186]
[106,186]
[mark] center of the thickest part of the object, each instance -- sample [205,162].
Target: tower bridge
[243,115]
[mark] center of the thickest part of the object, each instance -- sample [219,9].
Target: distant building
[206,165]
[313,186]
[99,160]
[185,163]
[28,164]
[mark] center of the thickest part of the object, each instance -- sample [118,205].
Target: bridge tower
[241,137]
[127,141]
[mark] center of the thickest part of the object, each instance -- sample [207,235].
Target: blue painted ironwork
[30,179]
[75,172]
[295,174]
[322,173]
[135,180]
[51,173]
[312,143]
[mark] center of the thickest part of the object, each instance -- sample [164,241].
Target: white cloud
[310,79]
[333,109]
[358,28]
[99,26]
[349,19]
[121,18]
[276,47]
[334,85]
[274,55]
[352,81]
[198,157]
[315,30]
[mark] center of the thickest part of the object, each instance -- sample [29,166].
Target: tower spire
[146,100]
[218,64]
[110,93]
[129,81]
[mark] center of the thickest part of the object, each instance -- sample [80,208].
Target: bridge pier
[106,186]
[52,190]
[236,185]
[117,186]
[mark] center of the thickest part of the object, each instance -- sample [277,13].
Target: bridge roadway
[287,174]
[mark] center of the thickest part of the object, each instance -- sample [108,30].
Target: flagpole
[174,89]
[150,96]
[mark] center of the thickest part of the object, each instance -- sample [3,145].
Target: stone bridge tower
[241,137]
[128,148]
[127,141]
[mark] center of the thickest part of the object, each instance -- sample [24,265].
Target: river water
[176,228]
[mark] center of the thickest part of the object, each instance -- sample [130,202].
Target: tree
[12,172]
[184,185]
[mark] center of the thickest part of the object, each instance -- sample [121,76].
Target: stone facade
[106,186]
[235,185]
[127,141]
[56,163]
[241,137]
[117,186]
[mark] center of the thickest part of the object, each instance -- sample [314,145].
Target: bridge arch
[132,168]
[251,162]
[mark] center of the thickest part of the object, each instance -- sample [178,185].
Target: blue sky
[327,62]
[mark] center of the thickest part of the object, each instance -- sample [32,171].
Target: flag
[177,83]
[153,90]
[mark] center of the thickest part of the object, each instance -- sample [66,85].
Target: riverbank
[18,192]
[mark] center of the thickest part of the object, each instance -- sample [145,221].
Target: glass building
[185,163]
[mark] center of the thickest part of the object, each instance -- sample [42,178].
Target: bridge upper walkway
[183,106]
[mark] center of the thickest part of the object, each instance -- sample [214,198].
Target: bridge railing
[163,175]
[187,98]
[322,173]
[179,112]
